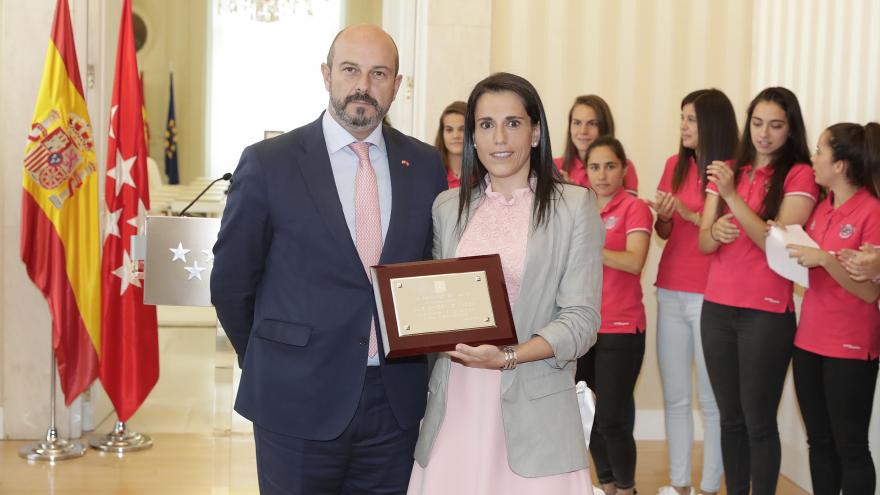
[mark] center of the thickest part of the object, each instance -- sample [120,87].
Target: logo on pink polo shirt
[846,231]
[812,225]
[610,222]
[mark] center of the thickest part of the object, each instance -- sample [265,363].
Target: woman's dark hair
[859,146]
[457,107]
[604,119]
[795,149]
[611,142]
[717,134]
[473,172]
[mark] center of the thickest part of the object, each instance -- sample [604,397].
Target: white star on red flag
[121,173]
[127,273]
[137,221]
[111,222]
[129,334]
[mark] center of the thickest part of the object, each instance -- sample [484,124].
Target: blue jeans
[679,346]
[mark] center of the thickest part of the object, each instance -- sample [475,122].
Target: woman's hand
[665,205]
[721,175]
[808,256]
[484,356]
[693,217]
[863,264]
[770,225]
[723,230]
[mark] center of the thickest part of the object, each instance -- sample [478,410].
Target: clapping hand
[723,230]
[863,264]
[665,205]
[721,175]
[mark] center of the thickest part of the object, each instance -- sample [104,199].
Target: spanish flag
[60,232]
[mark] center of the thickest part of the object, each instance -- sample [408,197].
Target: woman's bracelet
[509,358]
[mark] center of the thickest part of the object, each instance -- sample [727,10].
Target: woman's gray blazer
[560,300]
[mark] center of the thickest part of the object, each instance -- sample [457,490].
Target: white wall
[264,77]
[642,57]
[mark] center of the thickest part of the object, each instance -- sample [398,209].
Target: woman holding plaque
[613,364]
[450,136]
[507,420]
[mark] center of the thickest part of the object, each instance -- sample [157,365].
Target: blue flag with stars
[171,137]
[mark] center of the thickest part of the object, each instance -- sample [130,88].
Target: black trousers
[747,353]
[611,369]
[835,396]
[372,456]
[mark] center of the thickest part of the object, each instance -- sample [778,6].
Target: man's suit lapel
[401,191]
[317,175]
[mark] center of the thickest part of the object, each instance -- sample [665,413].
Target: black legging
[747,352]
[835,396]
[611,369]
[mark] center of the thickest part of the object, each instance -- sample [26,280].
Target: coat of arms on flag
[60,231]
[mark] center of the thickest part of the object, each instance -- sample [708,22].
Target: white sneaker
[668,490]
[598,491]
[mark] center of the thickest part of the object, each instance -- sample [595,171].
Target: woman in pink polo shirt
[450,136]
[708,132]
[838,337]
[748,320]
[612,366]
[589,118]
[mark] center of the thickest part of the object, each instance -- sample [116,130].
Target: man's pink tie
[368,222]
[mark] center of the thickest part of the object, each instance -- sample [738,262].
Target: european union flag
[171,137]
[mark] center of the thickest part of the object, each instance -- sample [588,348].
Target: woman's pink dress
[470,452]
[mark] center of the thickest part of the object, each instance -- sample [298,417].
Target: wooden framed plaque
[429,306]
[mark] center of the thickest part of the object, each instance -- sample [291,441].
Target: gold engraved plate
[442,303]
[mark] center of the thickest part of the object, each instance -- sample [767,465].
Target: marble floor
[200,445]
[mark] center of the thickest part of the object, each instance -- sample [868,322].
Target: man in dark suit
[308,212]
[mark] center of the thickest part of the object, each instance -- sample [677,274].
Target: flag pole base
[121,441]
[52,449]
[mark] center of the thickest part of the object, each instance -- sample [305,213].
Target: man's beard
[358,120]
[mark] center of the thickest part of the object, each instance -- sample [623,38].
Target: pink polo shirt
[738,272]
[833,322]
[622,309]
[682,266]
[452,180]
[578,175]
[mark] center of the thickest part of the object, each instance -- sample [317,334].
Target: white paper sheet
[777,254]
